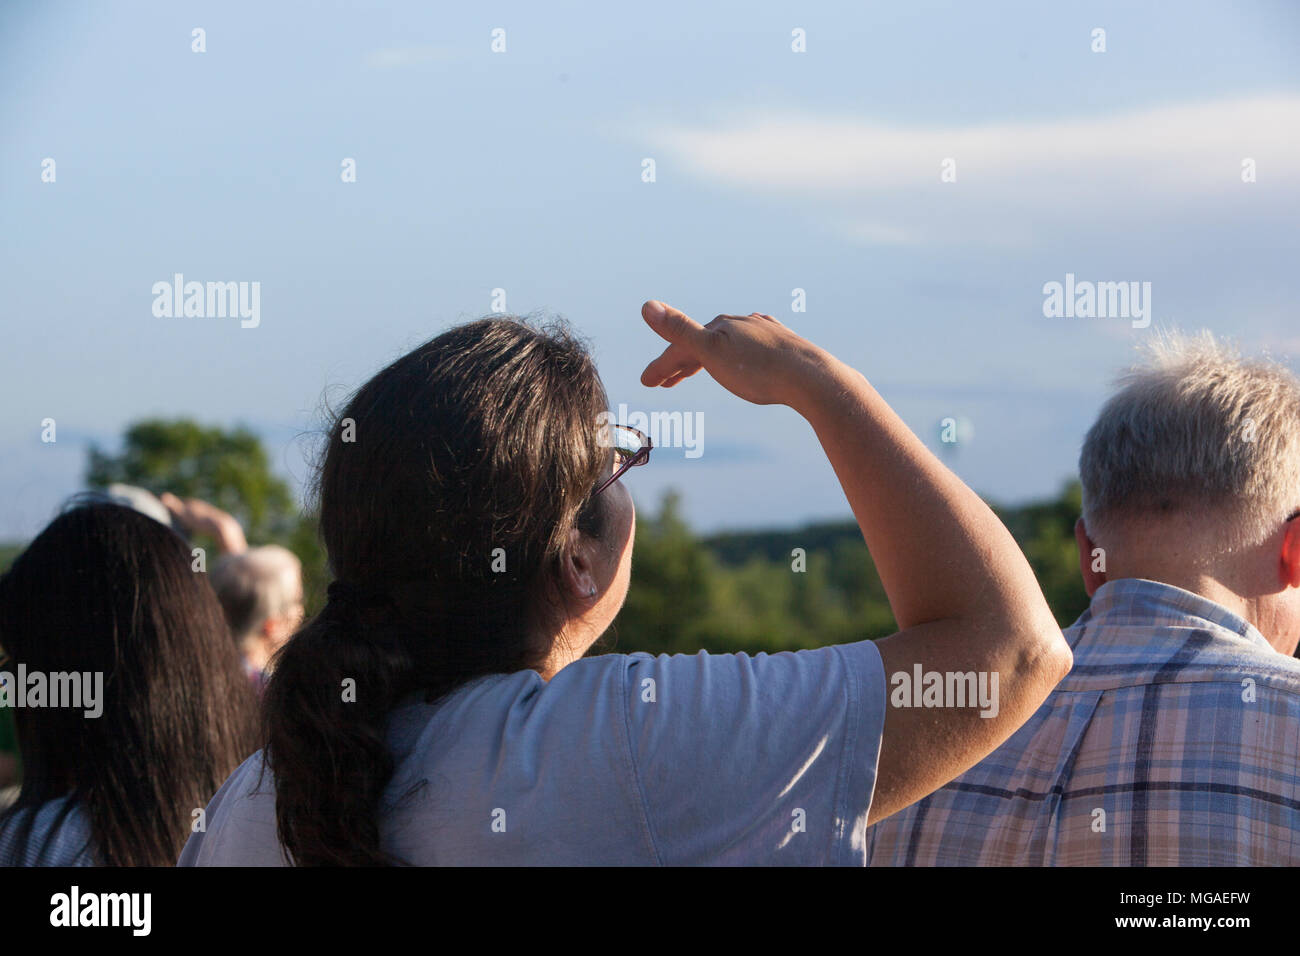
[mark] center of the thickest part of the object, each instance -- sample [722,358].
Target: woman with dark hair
[104,603]
[440,710]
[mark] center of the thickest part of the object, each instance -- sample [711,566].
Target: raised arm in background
[198,515]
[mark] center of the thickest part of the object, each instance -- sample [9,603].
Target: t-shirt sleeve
[763,759]
[239,823]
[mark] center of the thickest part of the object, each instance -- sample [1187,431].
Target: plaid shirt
[1173,741]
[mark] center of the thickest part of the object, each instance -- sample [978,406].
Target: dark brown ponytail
[482,439]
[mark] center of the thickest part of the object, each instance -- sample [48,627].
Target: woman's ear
[577,570]
[1092,559]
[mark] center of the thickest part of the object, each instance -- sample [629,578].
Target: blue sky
[522,170]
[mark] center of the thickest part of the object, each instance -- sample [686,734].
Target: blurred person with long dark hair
[105,590]
[440,709]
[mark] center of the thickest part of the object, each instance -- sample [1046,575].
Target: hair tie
[358,596]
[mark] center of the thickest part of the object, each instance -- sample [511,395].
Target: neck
[1254,609]
[561,656]
[1209,587]
[567,644]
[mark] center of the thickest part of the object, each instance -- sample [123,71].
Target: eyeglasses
[631,447]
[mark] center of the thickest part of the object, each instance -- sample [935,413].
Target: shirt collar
[1156,603]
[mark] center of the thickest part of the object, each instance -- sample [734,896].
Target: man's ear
[274,630]
[1290,558]
[577,573]
[1092,559]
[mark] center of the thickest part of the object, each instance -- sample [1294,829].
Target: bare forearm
[197,515]
[229,534]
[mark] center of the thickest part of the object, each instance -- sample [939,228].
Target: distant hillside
[735,548]
[1044,530]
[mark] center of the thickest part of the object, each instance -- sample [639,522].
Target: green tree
[227,467]
[1045,530]
[737,591]
[671,587]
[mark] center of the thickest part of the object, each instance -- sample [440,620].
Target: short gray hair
[1196,427]
[256,586]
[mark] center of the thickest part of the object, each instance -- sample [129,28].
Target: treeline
[784,590]
[762,590]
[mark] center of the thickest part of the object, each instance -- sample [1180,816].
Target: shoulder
[238,826]
[60,836]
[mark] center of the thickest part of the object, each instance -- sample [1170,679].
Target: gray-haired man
[1175,739]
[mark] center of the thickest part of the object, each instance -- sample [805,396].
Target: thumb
[685,335]
[671,324]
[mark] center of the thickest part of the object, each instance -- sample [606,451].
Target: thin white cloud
[881,183]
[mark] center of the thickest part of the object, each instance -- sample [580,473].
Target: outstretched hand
[752,356]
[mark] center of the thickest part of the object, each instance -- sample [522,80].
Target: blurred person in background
[1175,740]
[260,592]
[260,589]
[440,709]
[105,590]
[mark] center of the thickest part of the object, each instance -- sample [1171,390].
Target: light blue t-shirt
[618,760]
[69,845]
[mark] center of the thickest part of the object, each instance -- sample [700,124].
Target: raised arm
[963,595]
[194,514]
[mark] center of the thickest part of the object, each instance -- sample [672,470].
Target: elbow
[1048,658]
[1040,661]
